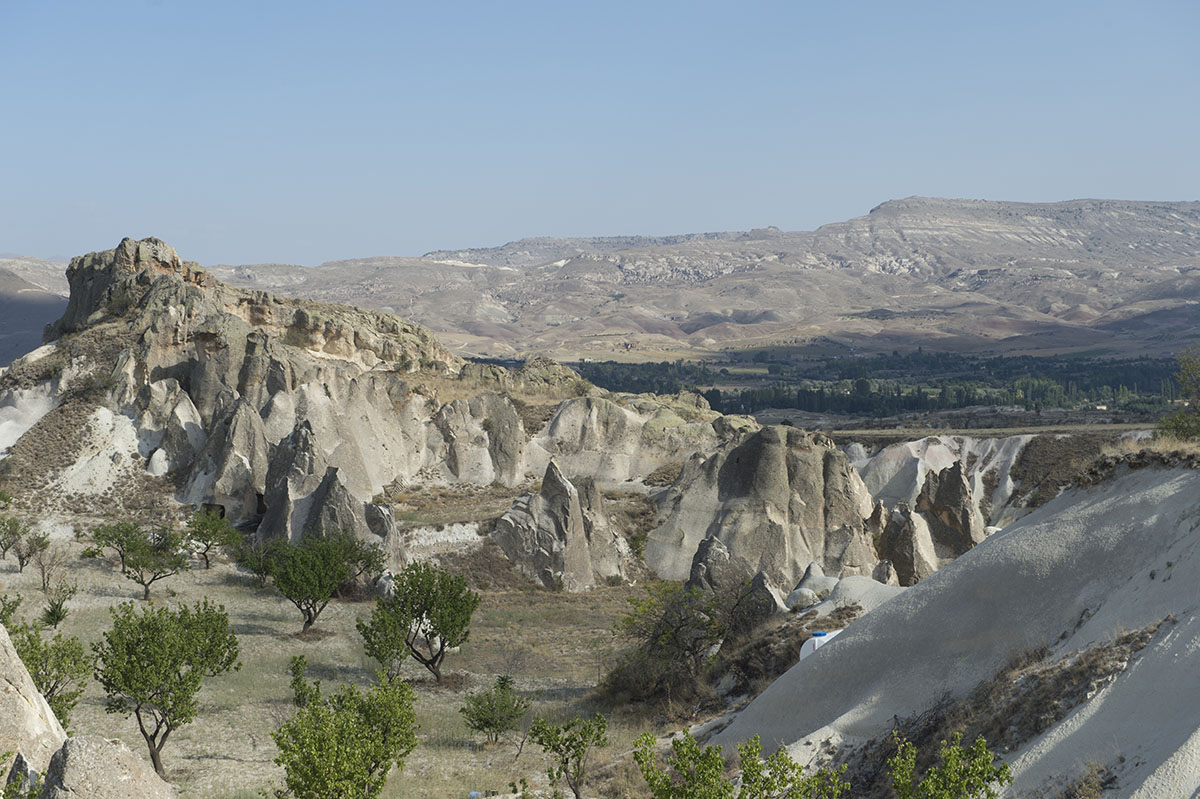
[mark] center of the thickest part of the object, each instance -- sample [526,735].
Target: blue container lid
[818,635]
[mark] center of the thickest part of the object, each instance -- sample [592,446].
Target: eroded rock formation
[943,523]
[561,535]
[778,499]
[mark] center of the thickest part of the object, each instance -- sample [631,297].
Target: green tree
[698,773]
[343,746]
[1184,423]
[151,664]
[8,608]
[59,667]
[207,530]
[672,632]
[259,557]
[569,745]
[28,546]
[144,555]
[12,530]
[962,774]
[309,573]
[495,711]
[428,613]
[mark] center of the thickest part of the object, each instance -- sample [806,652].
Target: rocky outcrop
[628,436]
[897,473]
[101,768]
[27,724]
[558,537]
[484,440]
[778,499]
[749,601]
[944,524]
[305,495]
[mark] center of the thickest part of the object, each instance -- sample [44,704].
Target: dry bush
[775,648]
[50,563]
[1162,444]
[664,475]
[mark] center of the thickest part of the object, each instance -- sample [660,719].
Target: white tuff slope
[1079,566]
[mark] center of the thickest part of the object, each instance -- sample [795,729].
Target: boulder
[817,581]
[947,505]
[484,440]
[607,549]
[100,768]
[27,724]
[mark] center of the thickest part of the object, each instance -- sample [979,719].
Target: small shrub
[962,774]
[495,711]
[696,773]
[57,598]
[344,745]
[569,746]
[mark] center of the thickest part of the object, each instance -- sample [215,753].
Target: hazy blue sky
[307,131]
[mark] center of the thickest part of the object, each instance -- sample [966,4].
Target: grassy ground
[554,643]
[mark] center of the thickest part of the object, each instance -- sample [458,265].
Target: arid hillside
[960,275]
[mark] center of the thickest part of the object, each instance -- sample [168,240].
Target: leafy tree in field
[428,614]
[145,556]
[344,745]
[962,774]
[151,664]
[495,711]
[208,529]
[569,746]
[309,573]
[1185,422]
[8,607]
[12,530]
[28,546]
[259,557]
[698,773]
[59,667]
[672,631]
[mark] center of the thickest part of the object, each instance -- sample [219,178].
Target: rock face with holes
[560,535]
[778,499]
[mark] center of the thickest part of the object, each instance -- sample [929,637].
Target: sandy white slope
[1081,567]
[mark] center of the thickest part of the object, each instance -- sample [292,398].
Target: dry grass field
[555,644]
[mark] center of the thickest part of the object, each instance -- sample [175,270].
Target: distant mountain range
[962,275]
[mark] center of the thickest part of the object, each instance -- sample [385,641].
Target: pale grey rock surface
[778,499]
[548,535]
[27,724]
[88,767]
